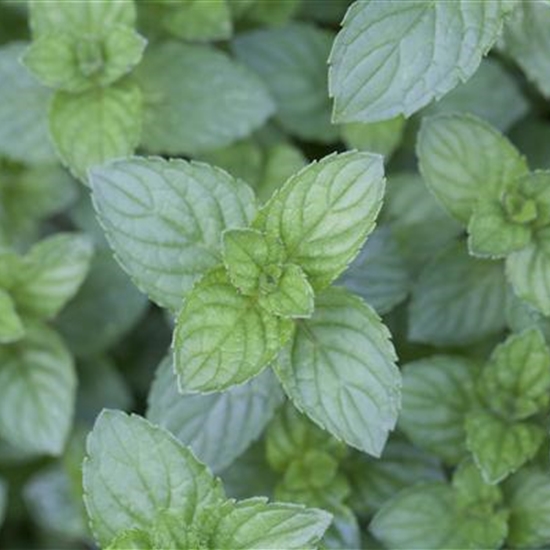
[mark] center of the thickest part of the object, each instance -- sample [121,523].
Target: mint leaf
[529,270]
[379,274]
[218,427]
[430,50]
[457,299]
[437,394]
[51,274]
[516,382]
[38,386]
[112,118]
[340,197]
[499,448]
[223,338]
[184,113]
[448,151]
[183,209]
[134,470]
[526,38]
[256,524]
[528,497]
[292,62]
[339,369]
[293,296]
[377,137]
[23,111]
[11,327]
[492,234]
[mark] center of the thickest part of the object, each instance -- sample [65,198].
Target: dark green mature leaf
[292,62]
[339,369]
[391,59]
[218,427]
[38,386]
[197,99]
[437,394]
[3,499]
[182,207]
[135,470]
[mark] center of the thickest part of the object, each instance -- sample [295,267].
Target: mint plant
[274,274]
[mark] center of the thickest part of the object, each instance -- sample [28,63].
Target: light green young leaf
[324,213]
[528,497]
[526,39]
[379,274]
[51,274]
[500,448]
[377,137]
[186,110]
[491,94]
[23,111]
[293,296]
[340,370]
[183,209]
[223,338]
[457,299]
[11,326]
[391,59]
[516,382]
[437,394]
[448,150]
[218,427]
[529,271]
[38,390]
[111,118]
[133,470]
[80,16]
[492,234]
[256,524]
[292,62]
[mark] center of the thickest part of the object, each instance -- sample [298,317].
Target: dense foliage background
[448,100]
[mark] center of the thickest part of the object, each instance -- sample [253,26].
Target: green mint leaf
[529,271]
[339,369]
[379,274]
[80,16]
[107,305]
[437,394]
[183,209]
[528,497]
[23,111]
[500,448]
[195,20]
[256,524]
[184,112]
[374,481]
[293,296]
[218,427]
[457,299]
[38,386]
[429,51]
[134,470]
[223,338]
[51,274]
[516,382]
[339,197]
[112,118]
[491,94]
[250,257]
[292,62]
[521,316]
[526,39]
[448,151]
[133,539]
[10,265]
[274,14]
[472,491]
[492,234]
[11,326]
[377,137]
